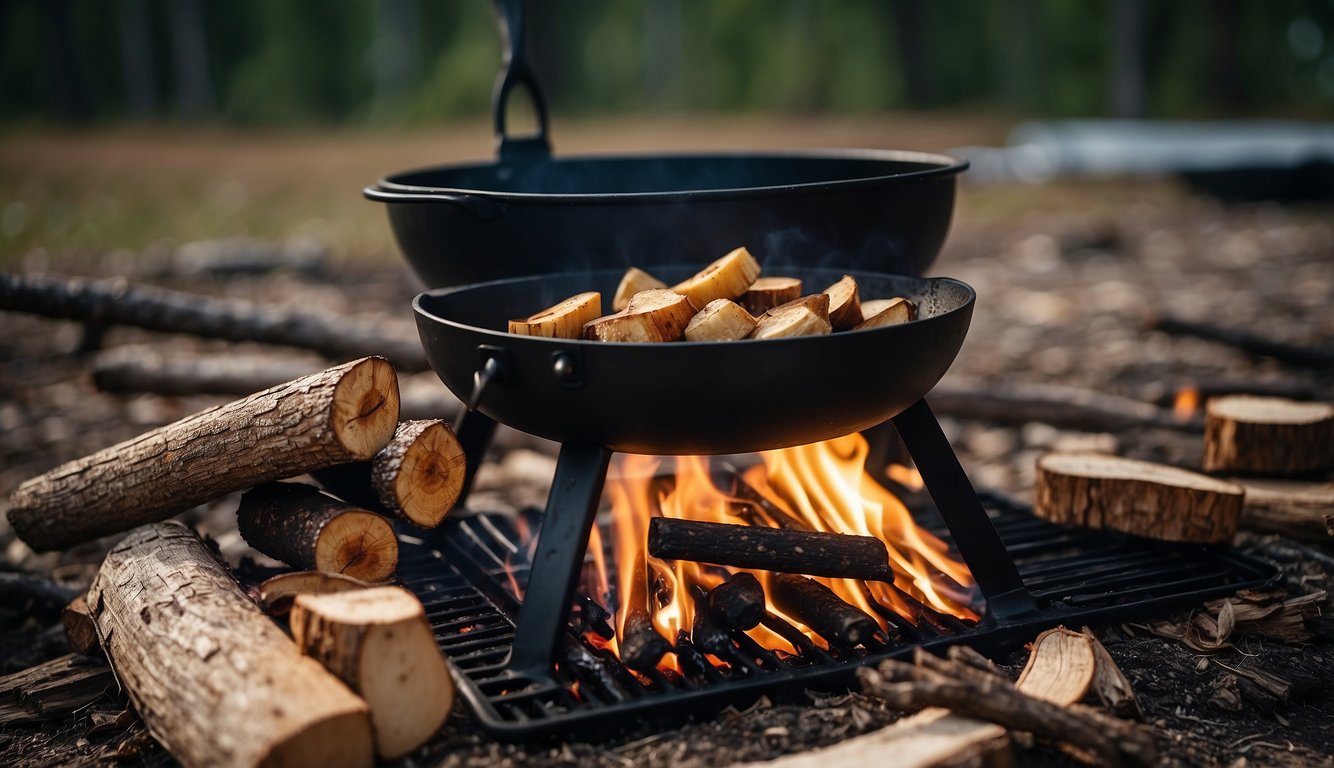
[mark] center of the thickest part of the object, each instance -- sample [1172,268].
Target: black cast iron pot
[529,213]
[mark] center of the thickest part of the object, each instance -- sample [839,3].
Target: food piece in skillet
[768,292]
[563,321]
[726,278]
[882,312]
[653,315]
[807,316]
[635,280]
[845,306]
[720,320]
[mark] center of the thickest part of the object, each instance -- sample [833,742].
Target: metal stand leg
[474,430]
[570,515]
[973,533]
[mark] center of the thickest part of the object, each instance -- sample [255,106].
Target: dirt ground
[1067,277]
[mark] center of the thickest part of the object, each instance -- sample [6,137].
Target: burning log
[768,292]
[1300,510]
[785,550]
[80,630]
[705,632]
[816,606]
[1267,435]
[306,529]
[655,315]
[778,516]
[845,306]
[562,321]
[692,660]
[103,303]
[640,644]
[796,637]
[720,320]
[726,278]
[1292,354]
[418,477]
[634,281]
[214,679]
[737,603]
[1137,497]
[379,642]
[343,414]
[806,316]
[277,594]
[585,666]
[883,312]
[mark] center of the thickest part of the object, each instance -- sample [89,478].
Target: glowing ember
[1187,403]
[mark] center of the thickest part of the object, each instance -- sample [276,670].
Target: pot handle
[517,71]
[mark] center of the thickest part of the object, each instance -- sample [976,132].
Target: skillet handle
[517,71]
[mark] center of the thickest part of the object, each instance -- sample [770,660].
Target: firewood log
[807,316]
[816,606]
[1099,491]
[786,550]
[726,278]
[768,292]
[1293,508]
[276,594]
[704,631]
[634,281]
[737,603]
[564,320]
[379,642]
[306,529]
[845,306]
[80,630]
[1267,435]
[890,312]
[418,477]
[640,644]
[215,681]
[654,315]
[720,320]
[343,414]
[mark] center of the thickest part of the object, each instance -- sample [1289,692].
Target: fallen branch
[1060,406]
[215,681]
[343,414]
[306,529]
[103,303]
[1250,343]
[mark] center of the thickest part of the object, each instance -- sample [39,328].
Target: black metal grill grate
[1078,576]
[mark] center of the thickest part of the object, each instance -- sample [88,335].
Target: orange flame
[1186,404]
[822,486]
[908,477]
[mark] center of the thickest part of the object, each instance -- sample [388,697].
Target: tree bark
[342,414]
[215,681]
[1267,435]
[101,303]
[816,606]
[302,527]
[1098,491]
[1296,509]
[811,553]
[379,642]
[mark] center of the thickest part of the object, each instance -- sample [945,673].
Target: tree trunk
[342,414]
[302,527]
[215,681]
[379,642]
[1267,435]
[1097,491]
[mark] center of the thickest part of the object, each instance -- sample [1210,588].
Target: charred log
[640,644]
[813,553]
[704,632]
[737,603]
[816,606]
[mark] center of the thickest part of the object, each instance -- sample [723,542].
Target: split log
[54,688]
[737,603]
[276,594]
[1098,491]
[1267,436]
[726,278]
[640,644]
[306,529]
[80,630]
[768,292]
[634,281]
[1293,508]
[883,312]
[379,643]
[816,606]
[812,553]
[720,320]
[215,681]
[655,315]
[564,320]
[1061,667]
[103,303]
[1060,406]
[343,414]
[1250,343]
[845,306]
[417,478]
[807,316]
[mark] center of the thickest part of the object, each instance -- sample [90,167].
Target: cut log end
[365,407]
[359,544]
[1267,435]
[338,740]
[277,593]
[430,476]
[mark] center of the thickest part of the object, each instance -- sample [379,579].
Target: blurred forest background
[405,62]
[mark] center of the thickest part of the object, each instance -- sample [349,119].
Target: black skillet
[683,397]
[528,213]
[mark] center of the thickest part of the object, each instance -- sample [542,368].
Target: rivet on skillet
[566,368]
